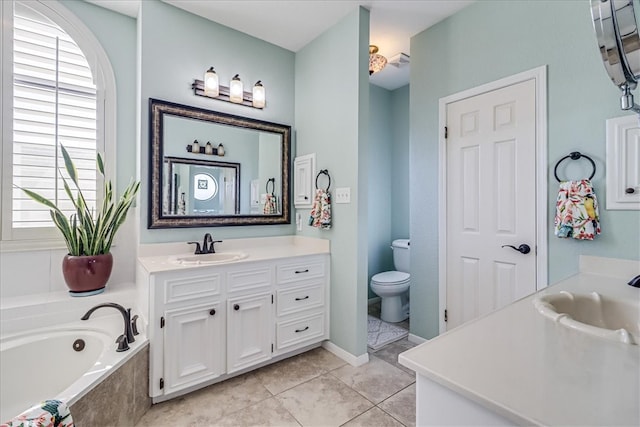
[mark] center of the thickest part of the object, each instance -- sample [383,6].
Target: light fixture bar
[247,97]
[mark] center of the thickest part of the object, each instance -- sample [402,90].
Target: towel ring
[575,155]
[323,172]
[273,181]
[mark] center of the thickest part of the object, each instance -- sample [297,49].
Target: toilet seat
[391,278]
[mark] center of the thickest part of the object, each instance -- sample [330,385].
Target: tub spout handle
[123,344]
[134,325]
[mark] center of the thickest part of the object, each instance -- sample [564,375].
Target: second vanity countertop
[156,258]
[533,371]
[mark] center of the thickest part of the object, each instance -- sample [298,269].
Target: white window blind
[54,102]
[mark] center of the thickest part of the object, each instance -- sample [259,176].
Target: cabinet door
[304,169]
[194,345]
[249,331]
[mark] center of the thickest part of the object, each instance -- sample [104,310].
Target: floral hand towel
[50,413]
[270,205]
[577,210]
[321,211]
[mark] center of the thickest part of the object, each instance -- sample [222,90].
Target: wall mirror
[246,184]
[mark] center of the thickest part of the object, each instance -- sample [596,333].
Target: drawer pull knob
[212,312]
[302,330]
[300,299]
[630,190]
[302,271]
[236,307]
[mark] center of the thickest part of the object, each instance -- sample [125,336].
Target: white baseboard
[373,300]
[345,355]
[416,339]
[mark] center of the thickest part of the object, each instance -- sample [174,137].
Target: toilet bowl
[393,286]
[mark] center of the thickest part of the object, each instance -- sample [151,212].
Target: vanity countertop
[157,258]
[533,371]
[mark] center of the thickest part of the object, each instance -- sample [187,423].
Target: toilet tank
[401,254]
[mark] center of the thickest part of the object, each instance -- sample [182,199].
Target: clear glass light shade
[376,61]
[211,86]
[236,90]
[259,97]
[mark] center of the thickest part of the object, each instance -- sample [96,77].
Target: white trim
[345,355]
[373,300]
[538,74]
[416,339]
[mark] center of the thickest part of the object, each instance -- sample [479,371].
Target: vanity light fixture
[236,90]
[211,87]
[258,95]
[235,93]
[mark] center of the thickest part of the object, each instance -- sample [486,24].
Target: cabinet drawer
[191,288]
[249,278]
[299,331]
[293,300]
[302,270]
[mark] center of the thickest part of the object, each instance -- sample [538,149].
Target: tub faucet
[126,315]
[635,282]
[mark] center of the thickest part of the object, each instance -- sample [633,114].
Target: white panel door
[249,331]
[194,345]
[491,201]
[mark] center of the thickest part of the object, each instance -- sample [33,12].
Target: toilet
[393,286]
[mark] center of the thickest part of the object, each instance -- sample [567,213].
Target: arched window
[57,97]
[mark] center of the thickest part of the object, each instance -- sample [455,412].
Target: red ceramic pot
[87,273]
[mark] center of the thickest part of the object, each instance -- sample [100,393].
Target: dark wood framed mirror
[245,183]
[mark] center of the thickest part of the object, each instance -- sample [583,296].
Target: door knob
[236,307]
[212,312]
[523,248]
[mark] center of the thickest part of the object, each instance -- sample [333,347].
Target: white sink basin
[593,314]
[204,259]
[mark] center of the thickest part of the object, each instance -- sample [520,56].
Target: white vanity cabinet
[208,323]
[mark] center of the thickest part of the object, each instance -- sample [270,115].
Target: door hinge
[161,383]
[446,315]
[162,322]
[446,132]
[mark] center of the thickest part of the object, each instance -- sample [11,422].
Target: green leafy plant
[84,232]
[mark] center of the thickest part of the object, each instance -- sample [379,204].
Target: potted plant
[88,235]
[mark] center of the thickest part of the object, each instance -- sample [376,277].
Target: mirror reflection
[200,187]
[209,168]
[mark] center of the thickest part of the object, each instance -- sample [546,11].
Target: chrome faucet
[635,282]
[128,336]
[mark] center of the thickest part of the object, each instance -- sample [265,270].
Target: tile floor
[312,389]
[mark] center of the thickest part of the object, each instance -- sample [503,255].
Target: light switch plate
[343,195]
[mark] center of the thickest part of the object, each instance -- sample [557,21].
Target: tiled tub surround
[29,322]
[516,366]
[208,323]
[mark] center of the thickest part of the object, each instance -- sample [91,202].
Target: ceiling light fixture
[376,61]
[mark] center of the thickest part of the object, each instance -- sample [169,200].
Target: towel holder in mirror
[575,155]
[273,186]
[323,172]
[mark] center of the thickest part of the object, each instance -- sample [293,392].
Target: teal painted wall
[332,121]
[120,47]
[380,182]
[399,111]
[177,47]
[484,42]
[388,183]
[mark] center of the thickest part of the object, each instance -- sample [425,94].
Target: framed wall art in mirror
[191,188]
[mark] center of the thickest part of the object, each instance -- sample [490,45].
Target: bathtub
[62,362]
